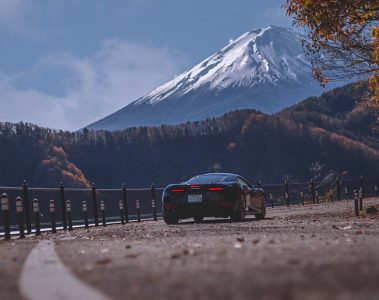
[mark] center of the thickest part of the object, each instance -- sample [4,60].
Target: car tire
[171,220]
[198,219]
[240,213]
[261,215]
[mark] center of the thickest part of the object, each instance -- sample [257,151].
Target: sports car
[220,195]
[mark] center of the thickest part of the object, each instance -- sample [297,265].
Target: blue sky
[67,63]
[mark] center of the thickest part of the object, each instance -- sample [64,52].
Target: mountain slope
[345,110]
[321,137]
[264,69]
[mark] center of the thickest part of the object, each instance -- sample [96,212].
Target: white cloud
[13,14]
[93,87]
[10,9]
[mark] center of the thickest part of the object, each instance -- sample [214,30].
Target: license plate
[195,198]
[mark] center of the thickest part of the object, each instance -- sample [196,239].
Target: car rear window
[211,178]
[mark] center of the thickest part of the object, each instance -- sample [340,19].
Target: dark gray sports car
[213,195]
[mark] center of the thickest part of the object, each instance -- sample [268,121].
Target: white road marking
[44,277]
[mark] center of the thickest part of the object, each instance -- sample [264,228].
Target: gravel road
[12,256]
[302,252]
[311,252]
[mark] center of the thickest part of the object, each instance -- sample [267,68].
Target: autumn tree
[342,38]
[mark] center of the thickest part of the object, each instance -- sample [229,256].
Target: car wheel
[198,219]
[240,213]
[171,220]
[262,215]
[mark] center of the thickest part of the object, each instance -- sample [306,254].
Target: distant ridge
[321,138]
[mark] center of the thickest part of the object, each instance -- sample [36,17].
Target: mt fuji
[264,69]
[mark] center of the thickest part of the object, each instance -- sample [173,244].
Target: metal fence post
[356,203]
[20,217]
[85,215]
[6,217]
[94,200]
[25,196]
[313,191]
[125,200]
[69,215]
[271,200]
[53,218]
[338,183]
[138,206]
[346,194]
[362,187]
[360,199]
[302,198]
[102,208]
[153,202]
[121,205]
[63,206]
[316,195]
[37,216]
[287,193]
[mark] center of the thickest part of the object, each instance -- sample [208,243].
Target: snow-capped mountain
[264,69]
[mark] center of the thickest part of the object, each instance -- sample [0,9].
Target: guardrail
[67,207]
[288,193]
[37,209]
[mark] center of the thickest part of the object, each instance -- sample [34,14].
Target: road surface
[302,252]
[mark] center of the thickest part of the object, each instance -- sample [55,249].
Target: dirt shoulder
[310,252]
[12,257]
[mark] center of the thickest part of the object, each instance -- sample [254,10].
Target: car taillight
[213,189]
[167,206]
[177,190]
[195,186]
[226,205]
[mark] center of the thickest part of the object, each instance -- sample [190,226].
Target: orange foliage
[57,167]
[58,151]
[345,141]
[78,179]
[347,32]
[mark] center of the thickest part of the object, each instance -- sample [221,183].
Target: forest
[323,138]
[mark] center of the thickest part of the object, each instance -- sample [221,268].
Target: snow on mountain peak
[263,69]
[271,55]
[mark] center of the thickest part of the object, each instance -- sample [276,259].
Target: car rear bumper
[192,210]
